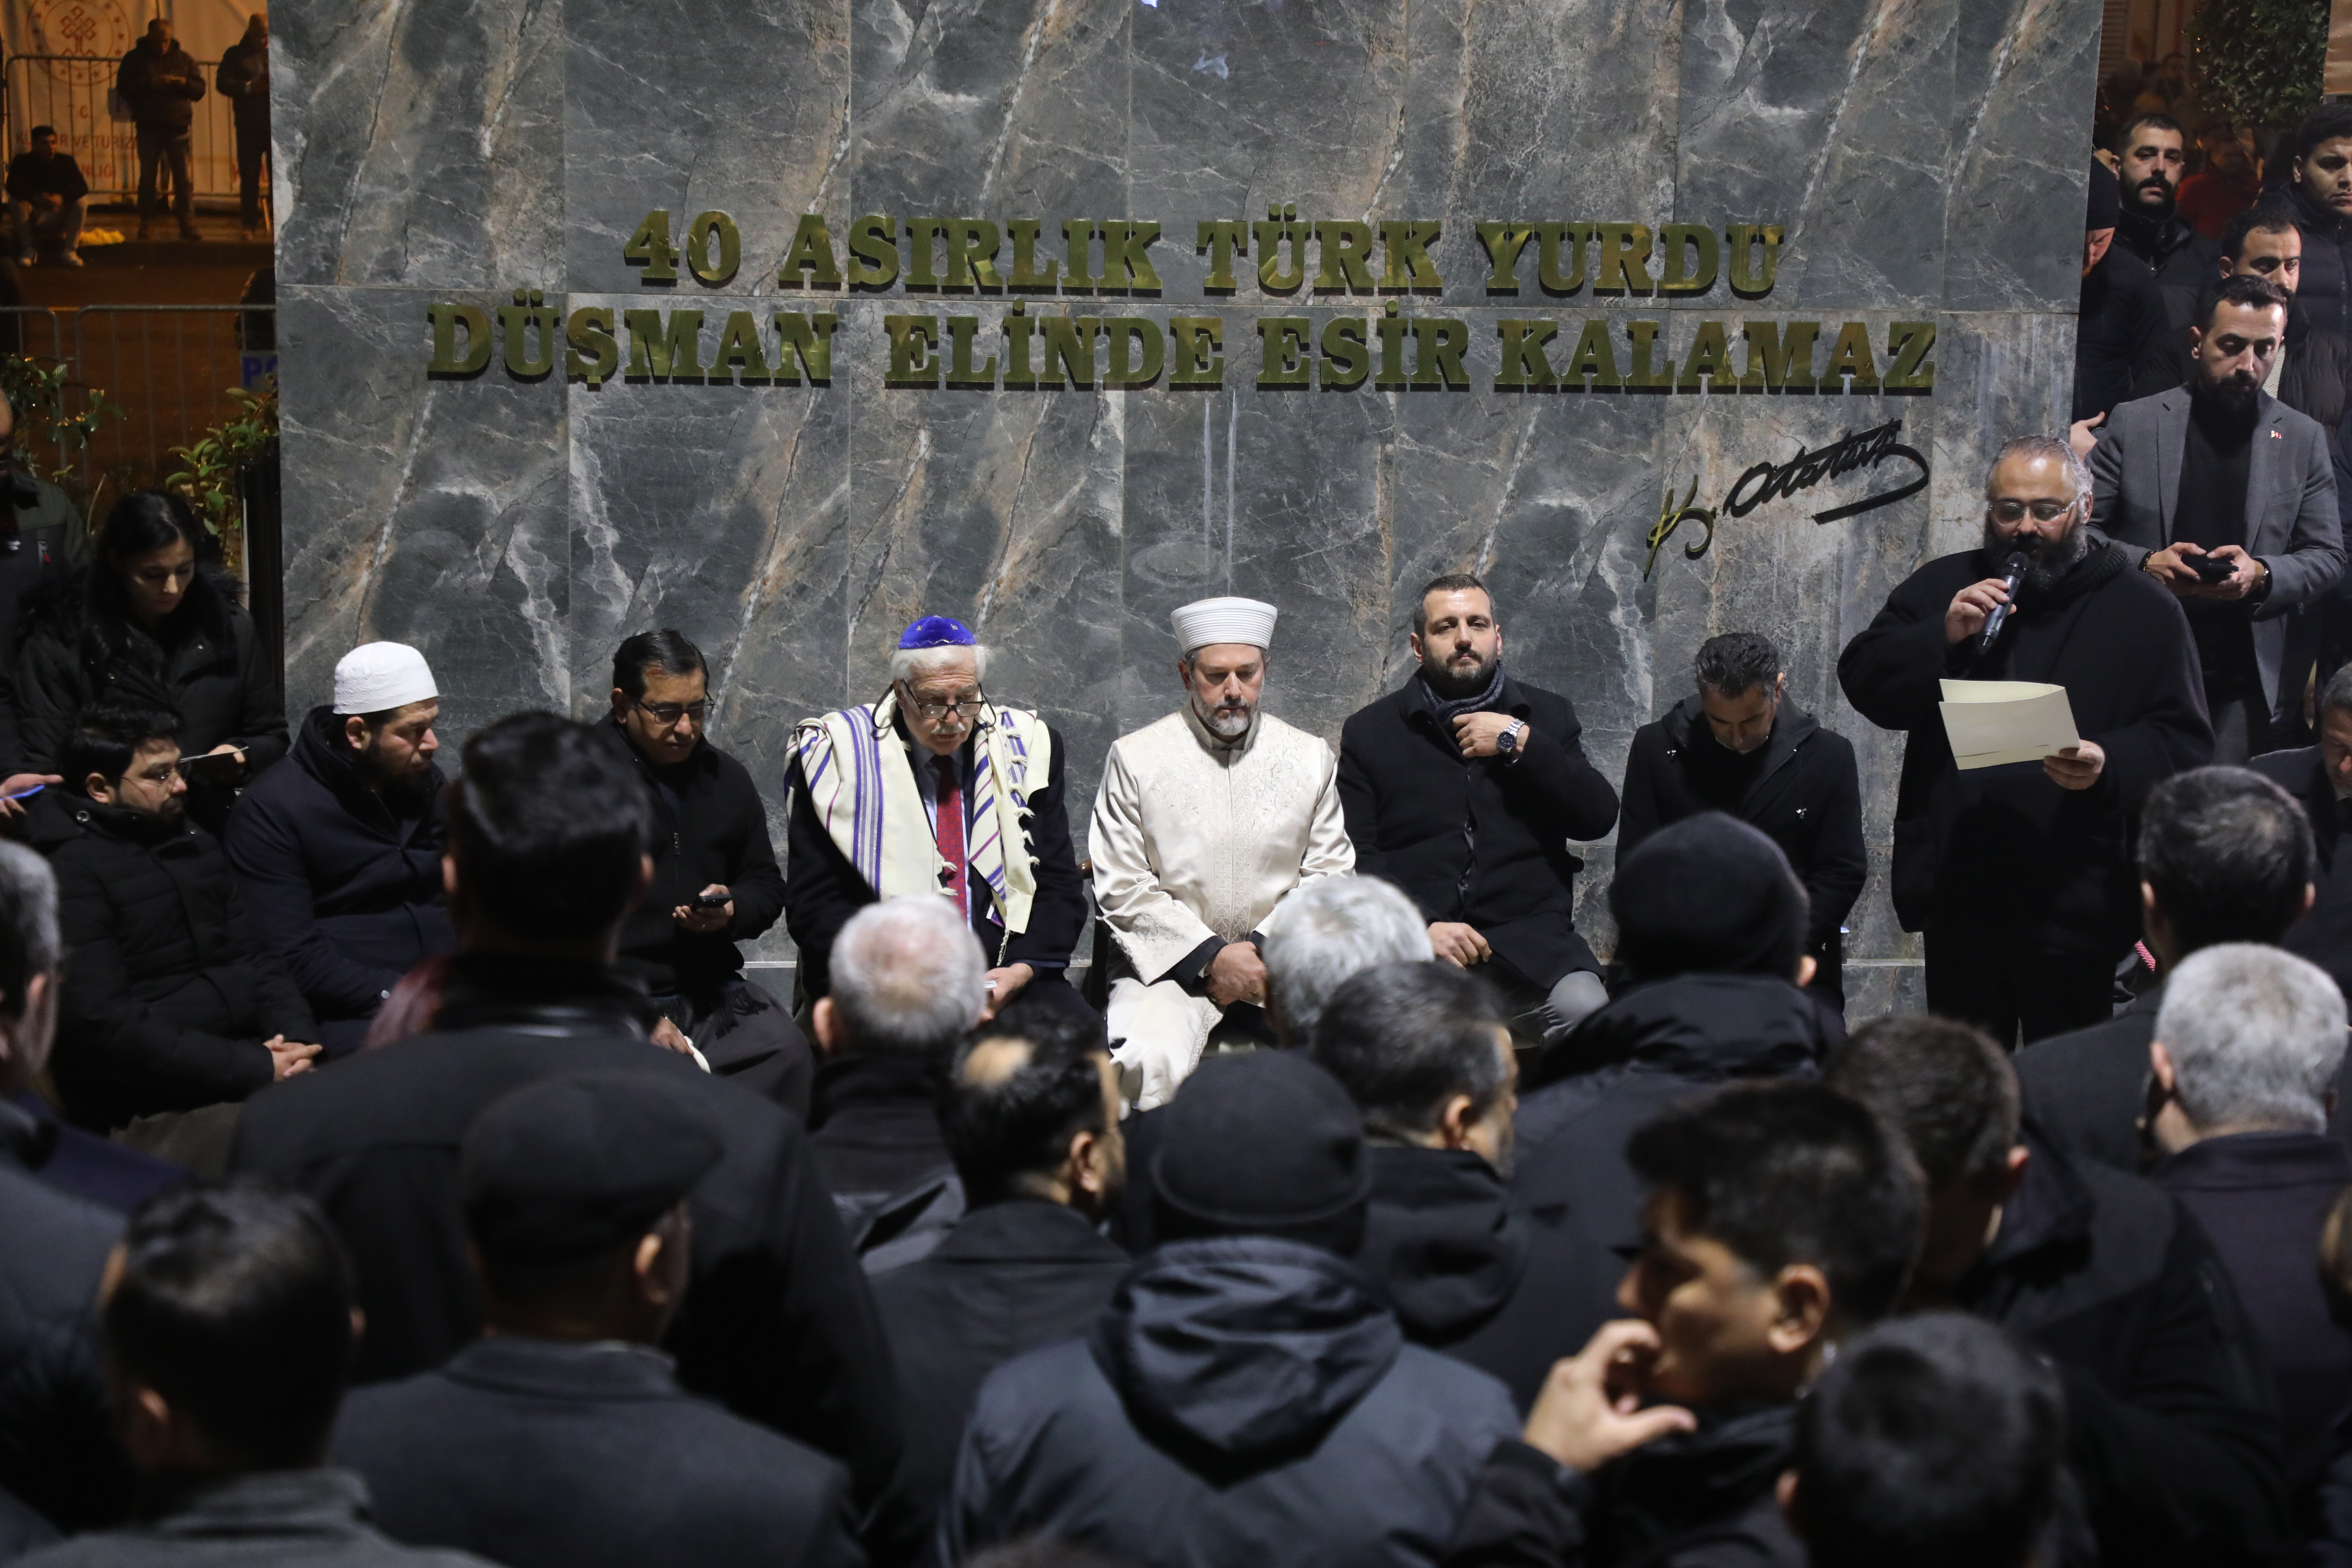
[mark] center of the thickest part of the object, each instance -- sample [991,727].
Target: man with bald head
[2021,874]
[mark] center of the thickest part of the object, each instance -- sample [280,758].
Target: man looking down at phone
[716,882]
[2019,874]
[2227,497]
[171,1002]
[1781,1219]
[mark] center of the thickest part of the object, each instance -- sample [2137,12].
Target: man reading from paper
[2021,874]
[1204,823]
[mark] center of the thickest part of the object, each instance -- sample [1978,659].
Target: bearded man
[2021,874]
[338,853]
[1462,787]
[935,789]
[1204,823]
[2227,497]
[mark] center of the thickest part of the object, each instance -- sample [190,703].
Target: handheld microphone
[2012,573]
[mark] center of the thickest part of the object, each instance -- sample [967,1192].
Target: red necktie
[950,831]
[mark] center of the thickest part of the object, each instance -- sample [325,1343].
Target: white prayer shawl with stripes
[861,782]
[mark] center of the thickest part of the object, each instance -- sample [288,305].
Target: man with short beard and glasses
[2151,157]
[2020,874]
[338,854]
[1464,787]
[1204,823]
[2227,497]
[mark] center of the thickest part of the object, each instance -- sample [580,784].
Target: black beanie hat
[1263,1141]
[570,1168]
[1708,895]
[2107,204]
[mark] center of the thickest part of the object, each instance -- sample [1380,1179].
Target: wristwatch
[1507,744]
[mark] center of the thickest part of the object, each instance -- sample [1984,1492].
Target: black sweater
[2007,843]
[709,826]
[1479,840]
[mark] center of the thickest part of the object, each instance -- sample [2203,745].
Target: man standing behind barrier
[2021,874]
[244,79]
[159,84]
[1464,787]
[1204,823]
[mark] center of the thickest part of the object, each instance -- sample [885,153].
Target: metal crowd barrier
[69,92]
[169,368]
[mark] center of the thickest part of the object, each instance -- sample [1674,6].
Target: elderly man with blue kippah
[935,789]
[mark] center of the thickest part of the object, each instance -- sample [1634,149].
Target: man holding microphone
[2021,874]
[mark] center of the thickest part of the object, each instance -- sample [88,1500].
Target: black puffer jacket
[168,996]
[206,665]
[1242,1400]
[2324,289]
[1696,1499]
[341,880]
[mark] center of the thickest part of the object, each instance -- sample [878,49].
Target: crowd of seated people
[397,1164]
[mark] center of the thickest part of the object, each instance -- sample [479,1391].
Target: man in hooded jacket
[1710,932]
[2020,874]
[1312,1433]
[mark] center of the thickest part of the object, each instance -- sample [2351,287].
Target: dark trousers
[2241,722]
[252,152]
[2006,988]
[162,153]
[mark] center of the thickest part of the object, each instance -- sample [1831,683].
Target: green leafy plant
[2259,62]
[36,389]
[207,473]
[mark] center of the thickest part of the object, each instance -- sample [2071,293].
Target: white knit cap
[377,676]
[1208,621]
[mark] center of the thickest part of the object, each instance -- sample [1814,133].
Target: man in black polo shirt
[1462,787]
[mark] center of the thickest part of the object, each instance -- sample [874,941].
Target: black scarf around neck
[1449,708]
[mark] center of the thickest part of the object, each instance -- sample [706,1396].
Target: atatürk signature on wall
[1765,482]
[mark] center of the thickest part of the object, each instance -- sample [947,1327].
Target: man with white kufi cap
[338,853]
[1204,823]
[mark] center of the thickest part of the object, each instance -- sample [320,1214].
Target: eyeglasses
[2043,510]
[667,714]
[932,712]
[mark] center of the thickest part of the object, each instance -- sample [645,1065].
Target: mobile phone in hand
[710,900]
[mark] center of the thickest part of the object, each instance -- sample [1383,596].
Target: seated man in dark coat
[2019,873]
[1738,747]
[1462,787]
[548,836]
[2224,857]
[228,1328]
[2171,1431]
[2247,1052]
[2320,779]
[1780,1221]
[715,876]
[867,785]
[1248,1396]
[170,1002]
[906,984]
[1710,934]
[1031,1113]
[339,853]
[561,1440]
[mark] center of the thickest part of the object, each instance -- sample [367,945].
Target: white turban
[1210,621]
[377,676]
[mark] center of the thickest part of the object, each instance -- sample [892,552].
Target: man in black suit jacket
[562,1440]
[2320,779]
[2224,857]
[2227,497]
[1739,747]
[779,1325]
[1462,787]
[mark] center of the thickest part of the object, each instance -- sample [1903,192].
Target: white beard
[1224,726]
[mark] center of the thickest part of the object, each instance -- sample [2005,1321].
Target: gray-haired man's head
[908,978]
[2249,1039]
[30,957]
[1327,930]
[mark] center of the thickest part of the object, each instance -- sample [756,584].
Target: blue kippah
[938,631]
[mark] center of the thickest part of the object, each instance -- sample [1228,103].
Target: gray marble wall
[1923,156]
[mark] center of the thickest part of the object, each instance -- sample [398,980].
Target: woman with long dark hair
[151,620]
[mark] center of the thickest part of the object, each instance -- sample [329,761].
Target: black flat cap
[569,1168]
[1265,1139]
[1711,895]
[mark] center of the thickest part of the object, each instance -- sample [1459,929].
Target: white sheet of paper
[1990,723]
